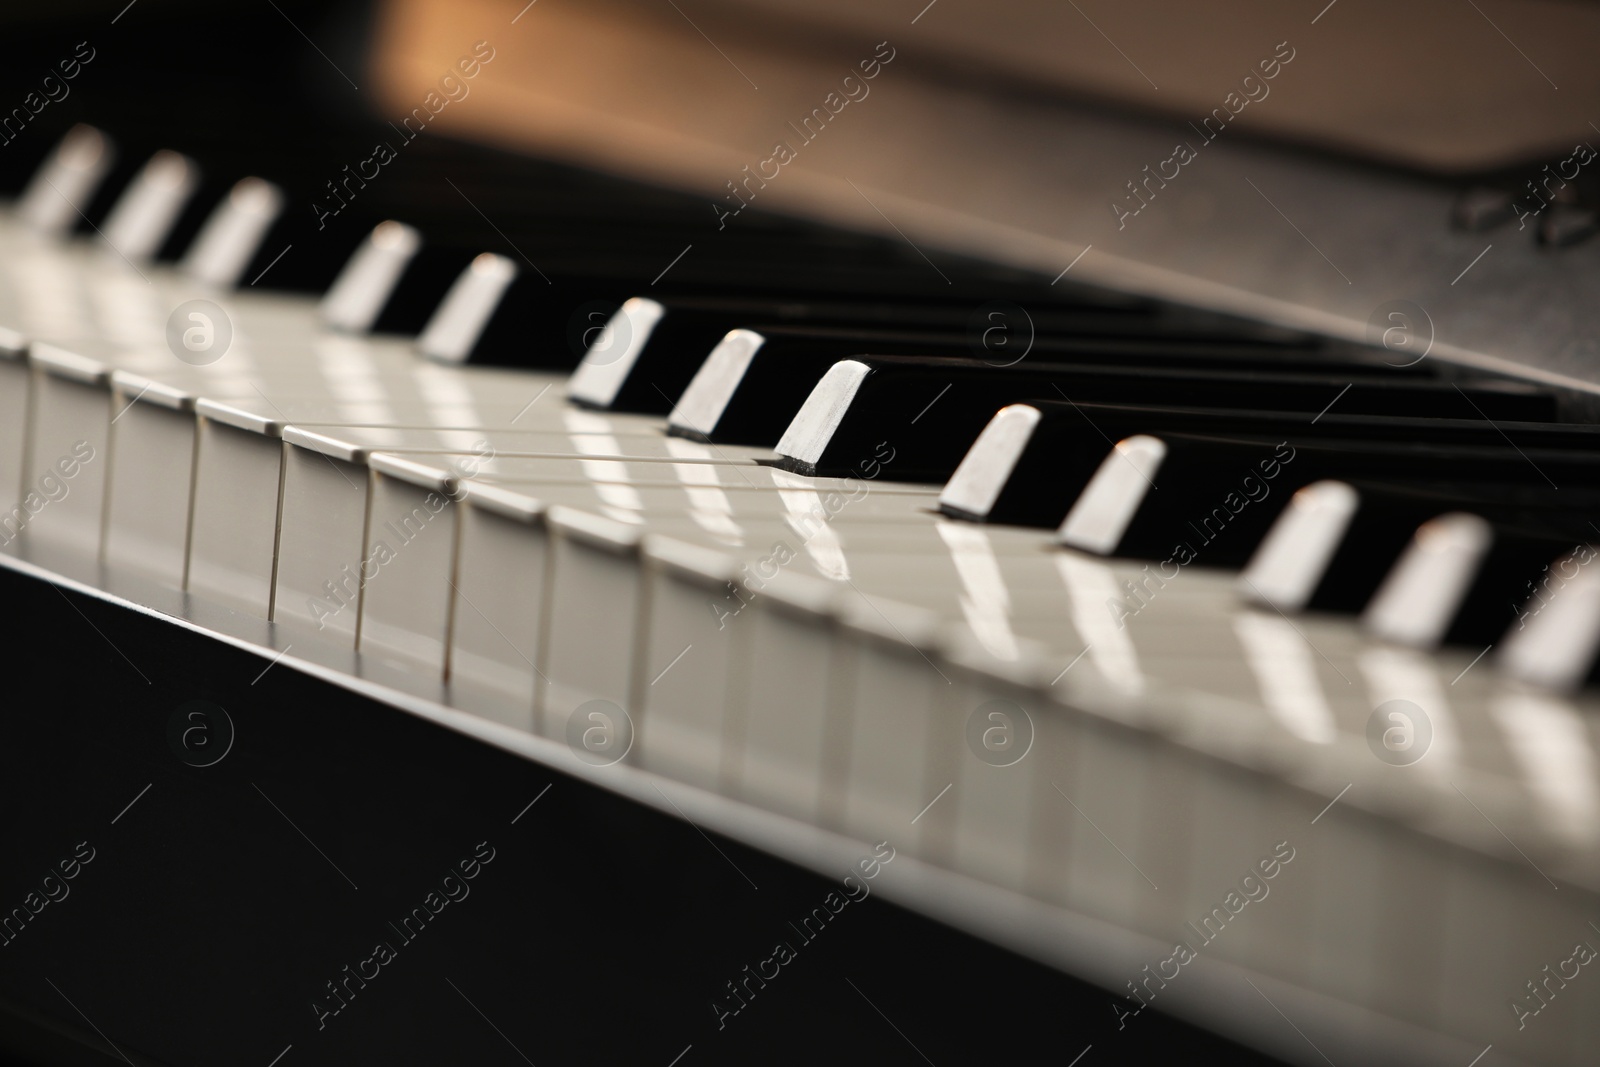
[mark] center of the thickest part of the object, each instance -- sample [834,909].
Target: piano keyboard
[816,574]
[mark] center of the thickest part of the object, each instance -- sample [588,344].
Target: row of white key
[834,690]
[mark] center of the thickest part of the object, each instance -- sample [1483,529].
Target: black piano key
[498,312]
[1555,640]
[1147,501]
[1334,542]
[68,180]
[933,409]
[1462,580]
[808,331]
[1216,497]
[298,252]
[1030,462]
[756,379]
[420,287]
[146,209]
[558,306]
[368,285]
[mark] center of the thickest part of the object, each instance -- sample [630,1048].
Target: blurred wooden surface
[1433,84]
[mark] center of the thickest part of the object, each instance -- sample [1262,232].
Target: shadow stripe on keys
[935,408]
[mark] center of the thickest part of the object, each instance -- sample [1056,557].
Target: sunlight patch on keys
[353,380]
[1285,667]
[1553,745]
[612,479]
[51,296]
[1408,675]
[128,311]
[708,504]
[1091,591]
[986,604]
[809,519]
[14,376]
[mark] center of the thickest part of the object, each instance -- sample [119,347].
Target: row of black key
[1133,430]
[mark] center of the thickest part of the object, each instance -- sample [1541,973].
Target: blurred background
[1000,132]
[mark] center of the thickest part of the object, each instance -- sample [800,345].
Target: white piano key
[731,476]
[885,555]
[233,233]
[599,445]
[387,401]
[1409,972]
[795,680]
[357,296]
[1285,666]
[689,656]
[144,214]
[1116,785]
[238,485]
[896,695]
[1485,967]
[13,424]
[1159,731]
[411,538]
[129,310]
[152,468]
[67,450]
[1091,587]
[563,482]
[1348,914]
[595,593]
[994,710]
[323,561]
[1423,715]
[986,601]
[459,320]
[1552,746]
[500,616]
[64,184]
[1231,830]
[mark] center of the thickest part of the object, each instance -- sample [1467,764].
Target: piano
[559,577]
